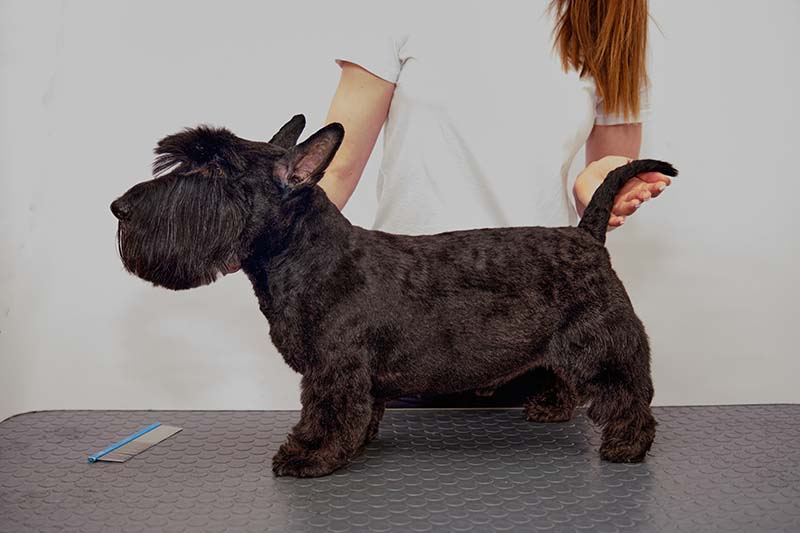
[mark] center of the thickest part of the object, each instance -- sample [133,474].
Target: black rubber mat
[711,468]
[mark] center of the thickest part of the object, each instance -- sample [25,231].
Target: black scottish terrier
[367,316]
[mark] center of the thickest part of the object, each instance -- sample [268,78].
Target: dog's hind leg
[336,418]
[378,408]
[555,397]
[620,403]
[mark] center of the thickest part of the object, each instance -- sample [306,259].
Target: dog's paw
[624,452]
[628,447]
[550,407]
[534,413]
[297,462]
[628,441]
[304,466]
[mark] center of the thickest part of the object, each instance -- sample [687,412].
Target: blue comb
[135,444]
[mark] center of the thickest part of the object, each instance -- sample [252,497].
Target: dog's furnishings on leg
[335,421]
[556,398]
[620,394]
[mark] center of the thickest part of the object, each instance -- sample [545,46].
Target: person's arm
[607,148]
[622,139]
[360,104]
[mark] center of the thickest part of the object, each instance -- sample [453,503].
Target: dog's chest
[289,337]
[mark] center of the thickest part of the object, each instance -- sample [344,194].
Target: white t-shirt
[483,125]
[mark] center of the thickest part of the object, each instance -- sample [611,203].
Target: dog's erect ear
[287,136]
[304,165]
[204,150]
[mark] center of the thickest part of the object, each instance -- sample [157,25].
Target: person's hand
[633,194]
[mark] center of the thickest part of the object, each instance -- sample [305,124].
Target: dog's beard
[183,232]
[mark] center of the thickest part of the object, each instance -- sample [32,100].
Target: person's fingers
[633,194]
[656,188]
[654,177]
[648,186]
[616,221]
[625,207]
[636,192]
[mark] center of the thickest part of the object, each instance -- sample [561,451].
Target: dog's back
[467,309]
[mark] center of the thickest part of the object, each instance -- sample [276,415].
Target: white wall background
[87,87]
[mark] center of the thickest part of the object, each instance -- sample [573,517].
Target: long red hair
[606,39]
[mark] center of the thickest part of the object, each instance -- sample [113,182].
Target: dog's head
[213,193]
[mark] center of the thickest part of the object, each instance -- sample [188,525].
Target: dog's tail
[595,217]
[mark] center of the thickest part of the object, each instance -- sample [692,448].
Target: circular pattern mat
[711,468]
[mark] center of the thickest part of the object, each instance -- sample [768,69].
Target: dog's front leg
[334,422]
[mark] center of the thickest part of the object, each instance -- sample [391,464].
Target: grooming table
[727,468]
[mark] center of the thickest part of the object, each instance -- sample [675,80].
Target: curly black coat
[367,316]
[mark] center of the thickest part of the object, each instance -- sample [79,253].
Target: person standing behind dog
[482,120]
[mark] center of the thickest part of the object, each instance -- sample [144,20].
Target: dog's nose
[120,209]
